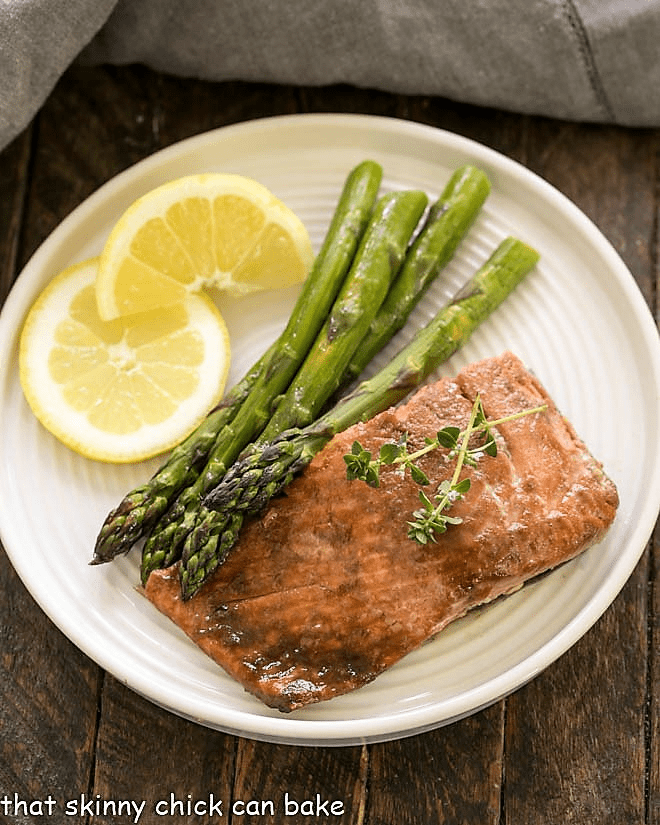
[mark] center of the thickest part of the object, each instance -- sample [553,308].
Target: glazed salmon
[325,590]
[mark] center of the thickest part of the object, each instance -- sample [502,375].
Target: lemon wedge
[121,390]
[213,229]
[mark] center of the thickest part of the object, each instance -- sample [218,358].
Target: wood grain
[653,686]
[14,171]
[451,775]
[148,755]
[582,724]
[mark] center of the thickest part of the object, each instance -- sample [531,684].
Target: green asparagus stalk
[267,469]
[448,221]
[381,254]
[140,509]
[378,258]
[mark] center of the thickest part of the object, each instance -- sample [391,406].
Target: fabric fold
[38,40]
[581,60]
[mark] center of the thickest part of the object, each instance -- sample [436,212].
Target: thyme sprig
[433,517]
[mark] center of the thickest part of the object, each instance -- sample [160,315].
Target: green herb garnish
[432,517]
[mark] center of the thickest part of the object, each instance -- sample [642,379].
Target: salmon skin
[324,591]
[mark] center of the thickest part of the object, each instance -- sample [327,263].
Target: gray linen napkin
[588,60]
[38,40]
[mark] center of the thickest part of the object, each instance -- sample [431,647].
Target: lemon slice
[209,229]
[121,390]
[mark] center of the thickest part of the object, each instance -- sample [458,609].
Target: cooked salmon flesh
[325,590]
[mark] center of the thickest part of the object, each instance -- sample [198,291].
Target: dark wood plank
[48,689]
[653,732]
[213,105]
[14,171]
[48,700]
[181,771]
[576,735]
[81,141]
[304,784]
[503,131]
[348,100]
[451,775]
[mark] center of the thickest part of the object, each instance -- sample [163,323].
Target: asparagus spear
[447,223]
[140,509]
[377,259]
[381,254]
[267,469]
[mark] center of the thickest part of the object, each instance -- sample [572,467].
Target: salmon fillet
[324,591]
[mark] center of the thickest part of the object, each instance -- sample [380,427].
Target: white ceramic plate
[578,321]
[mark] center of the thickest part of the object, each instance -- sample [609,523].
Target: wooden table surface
[579,744]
